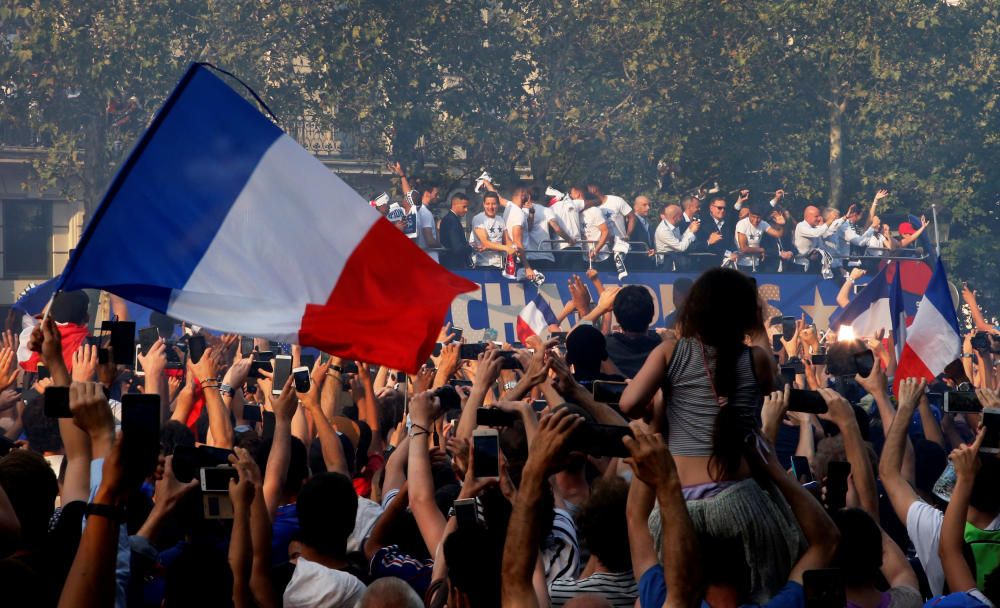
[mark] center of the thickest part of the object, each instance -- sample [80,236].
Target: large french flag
[534,319]
[933,339]
[869,311]
[221,219]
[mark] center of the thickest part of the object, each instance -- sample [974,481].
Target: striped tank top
[691,405]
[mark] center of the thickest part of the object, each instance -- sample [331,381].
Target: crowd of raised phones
[586,227]
[723,459]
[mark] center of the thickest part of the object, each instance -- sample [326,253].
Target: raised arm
[901,494]
[276,473]
[520,552]
[430,521]
[206,371]
[654,466]
[877,384]
[840,412]
[965,458]
[640,391]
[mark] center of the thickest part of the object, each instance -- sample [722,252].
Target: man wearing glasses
[717,233]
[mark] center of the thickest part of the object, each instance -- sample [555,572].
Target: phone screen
[809,402]
[961,401]
[776,344]
[865,361]
[196,348]
[147,338]
[819,359]
[486,451]
[301,379]
[140,434]
[471,351]
[122,342]
[267,425]
[246,345]
[509,360]
[801,469]
[465,512]
[608,392]
[491,416]
[456,334]
[43,372]
[56,402]
[788,327]
[216,479]
[836,484]
[282,369]
[251,413]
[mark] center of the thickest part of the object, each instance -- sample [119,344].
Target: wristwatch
[337,369]
[226,391]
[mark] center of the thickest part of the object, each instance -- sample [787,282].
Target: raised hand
[155,360]
[85,363]
[839,410]
[169,490]
[554,430]
[423,410]
[91,411]
[965,458]
[488,369]
[11,340]
[580,293]
[207,368]
[910,391]
[285,404]
[875,382]
[9,369]
[881,194]
[650,459]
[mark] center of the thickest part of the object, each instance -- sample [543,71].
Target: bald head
[390,592]
[812,216]
[672,214]
[641,205]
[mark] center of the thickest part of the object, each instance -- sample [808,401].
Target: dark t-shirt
[629,353]
[653,592]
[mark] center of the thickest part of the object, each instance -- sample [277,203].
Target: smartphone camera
[486,454]
[300,376]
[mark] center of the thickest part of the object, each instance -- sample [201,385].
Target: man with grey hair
[390,592]
[670,240]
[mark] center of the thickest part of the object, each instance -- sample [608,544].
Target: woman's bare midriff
[694,470]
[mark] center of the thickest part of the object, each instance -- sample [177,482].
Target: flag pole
[937,240]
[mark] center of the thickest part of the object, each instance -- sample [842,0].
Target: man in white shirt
[670,240]
[427,233]
[809,234]
[596,230]
[540,218]
[488,232]
[749,232]
[616,212]
[566,213]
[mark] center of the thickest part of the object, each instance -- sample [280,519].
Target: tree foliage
[744,93]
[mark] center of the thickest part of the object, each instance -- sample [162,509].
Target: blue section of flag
[166,204]
[939,295]
[897,308]
[874,291]
[33,302]
[546,310]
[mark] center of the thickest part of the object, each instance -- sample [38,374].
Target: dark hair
[459,196]
[724,563]
[173,434]
[32,488]
[298,464]
[595,187]
[42,431]
[491,195]
[327,507]
[70,307]
[985,496]
[163,323]
[586,348]
[859,553]
[390,412]
[199,576]
[590,197]
[603,526]
[931,460]
[474,559]
[721,309]
[682,287]
[633,308]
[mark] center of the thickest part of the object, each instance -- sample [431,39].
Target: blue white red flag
[869,311]
[220,219]
[933,339]
[534,319]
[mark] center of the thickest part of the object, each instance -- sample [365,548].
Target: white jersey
[567,215]
[615,210]
[494,227]
[538,235]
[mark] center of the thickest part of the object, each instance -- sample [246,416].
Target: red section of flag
[523,331]
[910,366]
[71,337]
[388,305]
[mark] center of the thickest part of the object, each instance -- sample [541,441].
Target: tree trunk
[95,175]
[539,170]
[836,181]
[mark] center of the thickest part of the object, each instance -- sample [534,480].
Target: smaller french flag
[870,310]
[534,319]
[933,339]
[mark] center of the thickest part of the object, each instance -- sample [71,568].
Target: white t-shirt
[923,524]
[593,219]
[316,586]
[615,209]
[515,216]
[567,214]
[494,228]
[539,234]
[753,235]
[425,219]
[412,220]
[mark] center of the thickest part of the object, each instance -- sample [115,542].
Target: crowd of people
[723,460]
[585,227]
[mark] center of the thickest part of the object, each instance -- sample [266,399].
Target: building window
[27,239]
